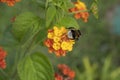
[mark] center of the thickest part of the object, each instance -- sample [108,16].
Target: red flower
[71,74]
[51,49]
[58,77]
[48,42]
[2,64]
[60,52]
[58,42]
[2,54]
[2,58]
[65,73]
[80,11]
[10,2]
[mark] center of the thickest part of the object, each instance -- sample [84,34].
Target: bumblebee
[73,33]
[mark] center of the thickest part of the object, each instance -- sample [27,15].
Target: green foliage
[106,68]
[57,11]
[35,67]
[94,8]
[91,72]
[50,14]
[66,5]
[95,42]
[69,22]
[63,4]
[89,69]
[24,23]
[115,75]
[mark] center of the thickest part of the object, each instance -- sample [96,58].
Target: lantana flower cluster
[10,2]
[65,73]
[80,11]
[58,42]
[2,58]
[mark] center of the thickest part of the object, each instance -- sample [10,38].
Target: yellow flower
[58,42]
[72,41]
[55,28]
[65,45]
[56,46]
[70,47]
[59,32]
[50,35]
[56,39]
[63,29]
[80,5]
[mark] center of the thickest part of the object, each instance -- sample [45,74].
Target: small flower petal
[58,42]
[80,11]
[2,58]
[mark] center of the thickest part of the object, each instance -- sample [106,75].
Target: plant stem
[25,48]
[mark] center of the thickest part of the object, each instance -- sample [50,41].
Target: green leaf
[115,73]
[50,14]
[106,67]
[35,67]
[41,37]
[67,4]
[89,69]
[94,9]
[25,22]
[59,15]
[64,4]
[68,22]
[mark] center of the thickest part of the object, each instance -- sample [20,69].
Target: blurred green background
[96,55]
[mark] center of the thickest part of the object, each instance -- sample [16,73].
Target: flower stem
[23,51]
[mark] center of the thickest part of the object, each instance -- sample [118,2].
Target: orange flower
[58,42]
[2,64]
[65,73]
[66,70]
[2,58]
[71,74]
[2,54]
[51,50]
[10,2]
[48,42]
[60,52]
[58,77]
[80,11]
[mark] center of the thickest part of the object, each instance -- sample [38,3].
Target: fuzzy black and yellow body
[73,33]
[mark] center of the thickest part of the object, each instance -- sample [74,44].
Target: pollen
[58,42]
[80,11]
